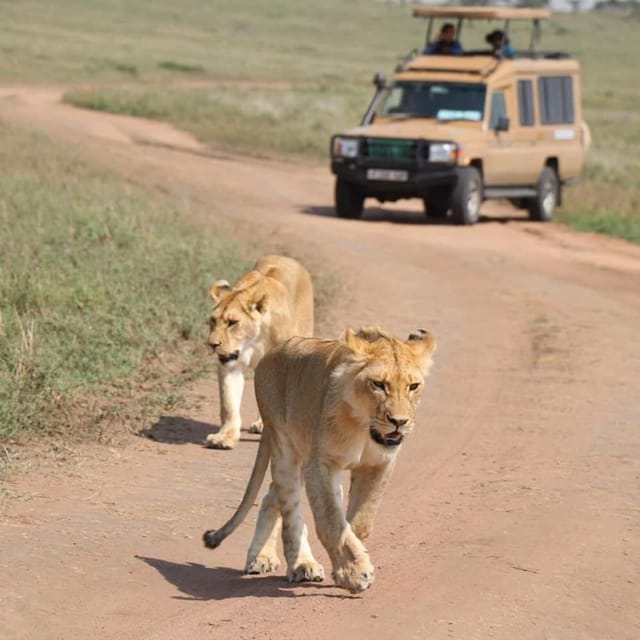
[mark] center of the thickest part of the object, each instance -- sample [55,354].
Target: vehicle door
[512,158]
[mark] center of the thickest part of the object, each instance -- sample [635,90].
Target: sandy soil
[514,511]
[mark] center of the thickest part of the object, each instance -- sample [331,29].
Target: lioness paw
[256,427]
[306,572]
[218,441]
[262,564]
[355,576]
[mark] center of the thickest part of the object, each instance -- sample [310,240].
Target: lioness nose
[397,422]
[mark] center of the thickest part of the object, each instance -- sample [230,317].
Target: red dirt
[514,511]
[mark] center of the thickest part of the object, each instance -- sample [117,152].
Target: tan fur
[265,307]
[329,406]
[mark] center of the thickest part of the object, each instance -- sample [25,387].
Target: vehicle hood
[414,128]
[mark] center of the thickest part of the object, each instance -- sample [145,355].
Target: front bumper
[419,178]
[405,159]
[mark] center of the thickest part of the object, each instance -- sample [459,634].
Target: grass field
[279,78]
[92,324]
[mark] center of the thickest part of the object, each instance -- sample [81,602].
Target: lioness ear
[423,345]
[356,342]
[260,304]
[220,289]
[351,339]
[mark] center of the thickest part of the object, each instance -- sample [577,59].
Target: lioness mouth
[392,439]
[228,358]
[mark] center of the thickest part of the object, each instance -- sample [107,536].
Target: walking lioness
[265,307]
[328,406]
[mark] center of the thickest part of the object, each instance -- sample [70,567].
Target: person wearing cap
[500,44]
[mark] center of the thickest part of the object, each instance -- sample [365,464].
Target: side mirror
[379,81]
[502,124]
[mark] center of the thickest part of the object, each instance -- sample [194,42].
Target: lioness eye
[413,386]
[212,322]
[378,384]
[232,323]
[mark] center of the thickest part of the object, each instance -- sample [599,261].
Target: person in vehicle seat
[500,44]
[446,44]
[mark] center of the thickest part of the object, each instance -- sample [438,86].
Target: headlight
[345,147]
[443,152]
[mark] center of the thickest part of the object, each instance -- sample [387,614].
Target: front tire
[349,200]
[543,205]
[466,196]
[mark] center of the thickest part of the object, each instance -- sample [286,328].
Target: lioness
[328,406]
[265,307]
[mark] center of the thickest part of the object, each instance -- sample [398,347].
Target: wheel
[466,196]
[436,203]
[543,205]
[349,200]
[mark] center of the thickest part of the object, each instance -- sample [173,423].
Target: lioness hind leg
[231,385]
[256,426]
[262,556]
[301,565]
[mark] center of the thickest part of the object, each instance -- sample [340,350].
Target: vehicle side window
[556,99]
[498,108]
[525,103]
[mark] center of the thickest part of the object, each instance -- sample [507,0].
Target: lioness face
[387,390]
[233,325]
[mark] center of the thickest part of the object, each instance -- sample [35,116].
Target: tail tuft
[210,539]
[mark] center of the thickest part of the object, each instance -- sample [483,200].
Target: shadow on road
[398,216]
[178,430]
[198,582]
[181,430]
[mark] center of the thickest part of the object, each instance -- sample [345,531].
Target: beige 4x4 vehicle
[455,130]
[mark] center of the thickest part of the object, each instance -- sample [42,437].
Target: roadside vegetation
[103,294]
[279,78]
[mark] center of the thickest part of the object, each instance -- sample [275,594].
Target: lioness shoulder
[265,307]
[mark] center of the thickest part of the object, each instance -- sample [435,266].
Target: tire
[466,196]
[543,205]
[436,204]
[348,200]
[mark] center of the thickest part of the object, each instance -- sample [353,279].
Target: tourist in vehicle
[446,44]
[500,45]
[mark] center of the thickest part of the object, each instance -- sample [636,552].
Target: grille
[385,148]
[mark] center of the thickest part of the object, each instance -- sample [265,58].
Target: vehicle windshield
[439,100]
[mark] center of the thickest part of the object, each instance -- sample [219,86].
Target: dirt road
[514,511]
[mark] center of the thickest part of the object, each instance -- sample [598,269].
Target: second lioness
[265,307]
[329,406]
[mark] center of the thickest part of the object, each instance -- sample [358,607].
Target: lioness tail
[214,537]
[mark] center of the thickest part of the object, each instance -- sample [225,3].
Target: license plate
[391,175]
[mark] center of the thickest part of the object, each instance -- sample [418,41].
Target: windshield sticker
[452,114]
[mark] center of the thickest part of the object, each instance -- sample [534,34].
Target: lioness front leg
[352,568]
[231,385]
[367,486]
[286,473]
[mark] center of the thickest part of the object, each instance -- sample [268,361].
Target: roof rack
[482,13]
[485,13]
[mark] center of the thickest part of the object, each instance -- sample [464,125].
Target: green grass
[280,77]
[101,282]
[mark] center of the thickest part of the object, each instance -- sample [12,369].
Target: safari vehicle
[455,130]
